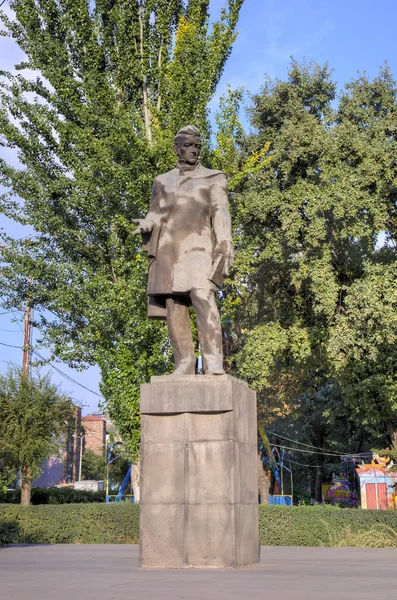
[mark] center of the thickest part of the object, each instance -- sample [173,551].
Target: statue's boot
[185,367]
[209,330]
[178,322]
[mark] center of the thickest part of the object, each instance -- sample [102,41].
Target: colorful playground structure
[378,484]
[277,460]
[121,496]
[369,485]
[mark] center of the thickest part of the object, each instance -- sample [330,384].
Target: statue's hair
[188,130]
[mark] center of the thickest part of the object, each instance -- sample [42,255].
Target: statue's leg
[178,322]
[209,330]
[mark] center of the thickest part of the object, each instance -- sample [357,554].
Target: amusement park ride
[367,480]
[112,455]
[363,475]
[277,460]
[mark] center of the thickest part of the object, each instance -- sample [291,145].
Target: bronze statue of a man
[187,234]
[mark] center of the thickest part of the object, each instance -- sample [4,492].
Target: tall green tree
[362,344]
[34,418]
[93,465]
[113,81]
[363,348]
[284,288]
[307,226]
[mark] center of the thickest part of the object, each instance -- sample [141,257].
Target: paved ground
[110,572]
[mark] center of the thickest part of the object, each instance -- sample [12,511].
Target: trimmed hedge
[118,524]
[326,526]
[54,496]
[69,524]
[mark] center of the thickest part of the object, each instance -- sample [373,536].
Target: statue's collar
[185,168]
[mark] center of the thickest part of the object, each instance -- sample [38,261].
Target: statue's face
[188,149]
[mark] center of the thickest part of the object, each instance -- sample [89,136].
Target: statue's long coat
[191,216]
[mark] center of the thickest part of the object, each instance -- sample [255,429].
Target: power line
[306,451]
[13,312]
[67,376]
[51,365]
[303,465]
[10,330]
[10,346]
[297,463]
[300,443]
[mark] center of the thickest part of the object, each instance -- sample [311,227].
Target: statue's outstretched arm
[146,225]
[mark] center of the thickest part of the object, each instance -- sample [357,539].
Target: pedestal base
[199,483]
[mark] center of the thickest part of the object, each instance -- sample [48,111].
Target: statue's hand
[226,249]
[144,226]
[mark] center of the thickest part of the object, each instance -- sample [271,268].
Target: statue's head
[187,145]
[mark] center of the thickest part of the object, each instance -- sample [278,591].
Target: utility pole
[27,321]
[26,483]
[81,454]
[27,335]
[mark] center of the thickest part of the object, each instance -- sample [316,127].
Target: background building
[64,468]
[94,432]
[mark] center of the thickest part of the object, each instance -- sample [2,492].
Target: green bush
[54,496]
[72,524]
[118,524]
[326,526]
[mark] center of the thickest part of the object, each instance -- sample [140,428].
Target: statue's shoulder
[167,176]
[204,172]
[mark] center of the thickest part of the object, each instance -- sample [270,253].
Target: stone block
[161,536]
[247,533]
[157,429]
[248,474]
[200,428]
[252,431]
[191,393]
[199,485]
[210,540]
[209,468]
[238,481]
[162,473]
[244,411]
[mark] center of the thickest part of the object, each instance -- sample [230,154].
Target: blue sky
[351,36]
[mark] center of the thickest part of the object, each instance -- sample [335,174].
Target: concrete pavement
[110,572]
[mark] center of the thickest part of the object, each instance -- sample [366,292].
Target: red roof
[90,418]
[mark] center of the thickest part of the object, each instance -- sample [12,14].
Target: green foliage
[93,466]
[34,415]
[326,526]
[92,127]
[117,471]
[119,523]
[7,469]
[72,524]
[53,496]
[387,453]
[392,455]
[309,312]
[363,345]
[284,286]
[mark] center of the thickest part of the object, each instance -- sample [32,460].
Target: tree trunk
[313,486]
[136,480]
[392,434]
[145,88]
[263,483]
[26,486]
[318,485]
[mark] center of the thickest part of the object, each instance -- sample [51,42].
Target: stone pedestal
[199,482]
